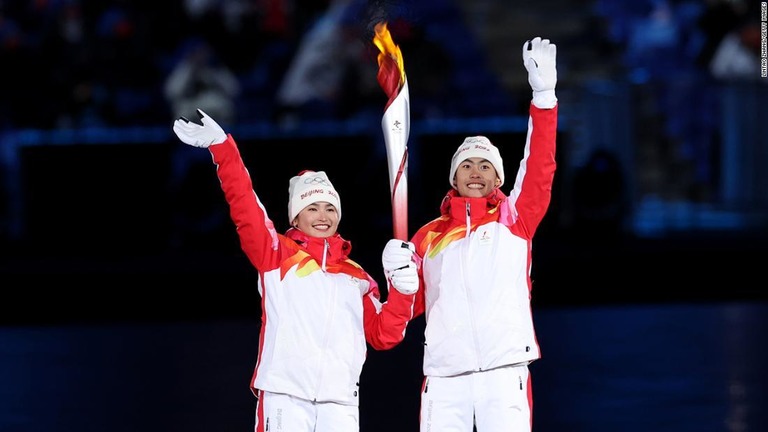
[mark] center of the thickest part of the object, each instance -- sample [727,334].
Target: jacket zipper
[325,252]
[468,246]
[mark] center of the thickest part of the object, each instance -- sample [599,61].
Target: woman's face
[476,178]
[319,219]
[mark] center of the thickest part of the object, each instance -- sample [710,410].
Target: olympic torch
[396,125]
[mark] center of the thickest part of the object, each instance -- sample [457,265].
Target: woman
[319,308]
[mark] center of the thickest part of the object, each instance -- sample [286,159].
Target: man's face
[476,178]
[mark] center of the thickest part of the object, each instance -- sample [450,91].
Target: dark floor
[676,367]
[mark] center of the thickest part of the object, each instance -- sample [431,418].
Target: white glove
[539,58]
[406,279]
[397,254]
[399,267]
[191,133]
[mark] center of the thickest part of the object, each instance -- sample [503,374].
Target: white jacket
[476,262]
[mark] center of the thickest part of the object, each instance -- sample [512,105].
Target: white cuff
[544,99]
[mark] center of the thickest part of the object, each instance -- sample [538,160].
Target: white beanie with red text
[477,147]
[308,188]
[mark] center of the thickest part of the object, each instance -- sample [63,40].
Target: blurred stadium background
[660,189]
[128,305]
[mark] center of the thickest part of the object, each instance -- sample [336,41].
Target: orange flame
[383,40]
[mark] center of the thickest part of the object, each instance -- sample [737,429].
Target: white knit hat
[480,147]
[308,188]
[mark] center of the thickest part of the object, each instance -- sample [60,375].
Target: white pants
[277,412]
[496,400]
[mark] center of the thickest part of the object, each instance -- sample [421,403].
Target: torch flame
[383,40]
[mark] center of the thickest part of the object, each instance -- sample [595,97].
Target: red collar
[455,205]
[338,248]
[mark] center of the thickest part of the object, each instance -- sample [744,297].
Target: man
[474,267]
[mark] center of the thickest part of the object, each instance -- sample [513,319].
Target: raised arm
[532,190]
[256,231]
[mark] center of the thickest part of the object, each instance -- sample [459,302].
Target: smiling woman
[320,309]
[314,205]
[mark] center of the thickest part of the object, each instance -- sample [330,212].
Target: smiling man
[474,171]
[474,272]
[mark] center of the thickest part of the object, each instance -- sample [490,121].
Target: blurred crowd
[80,63]
[76,63]
[681,52]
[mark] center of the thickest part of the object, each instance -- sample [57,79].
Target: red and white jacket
[318,307]
[476,262]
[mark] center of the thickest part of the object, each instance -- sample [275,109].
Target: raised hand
[540,60]
[205,135]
